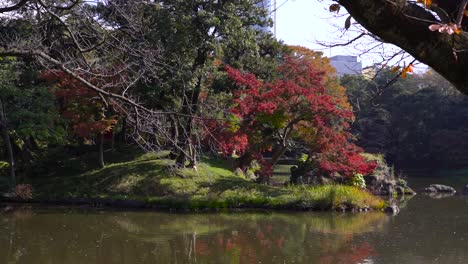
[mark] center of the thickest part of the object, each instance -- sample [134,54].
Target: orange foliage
[329,80]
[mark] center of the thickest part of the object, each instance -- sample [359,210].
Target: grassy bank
[150,178]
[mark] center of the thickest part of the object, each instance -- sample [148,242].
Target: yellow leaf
[403,74]
[457,30]
[465,13]
[396,68]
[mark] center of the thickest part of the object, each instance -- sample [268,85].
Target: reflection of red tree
[349,254]
[202,248]
[250,246]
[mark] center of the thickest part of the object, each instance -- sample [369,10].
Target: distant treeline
[418,121]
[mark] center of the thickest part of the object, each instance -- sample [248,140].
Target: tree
[86,113]
[7,140]
[28,114]
[416,121]
[159,54]
[331,83]
[407,25]
[267,115]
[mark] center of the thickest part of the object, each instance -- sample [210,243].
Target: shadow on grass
[137,177]
[233,183]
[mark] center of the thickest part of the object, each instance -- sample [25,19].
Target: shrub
[358,181]
[401,182]
[4,167]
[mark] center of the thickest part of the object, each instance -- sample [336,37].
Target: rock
[465,190]
[409,191]
[10,195]
[392,209]
[440,195]
[439,188]
[371,180]
[387,188]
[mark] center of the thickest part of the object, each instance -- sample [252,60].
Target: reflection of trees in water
[427,231]
[349,253]
[144,237]
[249,238]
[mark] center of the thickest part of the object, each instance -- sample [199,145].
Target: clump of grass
[327,197]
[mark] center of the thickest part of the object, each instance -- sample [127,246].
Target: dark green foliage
[417,121]
[31,117]
[30,106]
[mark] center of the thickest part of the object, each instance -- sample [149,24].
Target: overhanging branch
[14,7]
[405,24]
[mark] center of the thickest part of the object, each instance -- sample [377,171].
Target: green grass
[281,173]
[152,179]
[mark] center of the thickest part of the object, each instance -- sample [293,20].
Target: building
[346,65]
[369,72]
[270,7]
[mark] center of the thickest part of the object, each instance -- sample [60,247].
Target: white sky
[306,22]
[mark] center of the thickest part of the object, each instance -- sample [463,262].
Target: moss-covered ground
[151,178]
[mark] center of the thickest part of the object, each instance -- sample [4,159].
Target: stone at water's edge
[465,190]
[439,188]
[383,186]
[409,191]
[404,190]
[392,209]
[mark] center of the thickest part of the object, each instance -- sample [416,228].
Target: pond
[427,230]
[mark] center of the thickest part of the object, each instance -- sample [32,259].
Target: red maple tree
[81,106]
[267,115]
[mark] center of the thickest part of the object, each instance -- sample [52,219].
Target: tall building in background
[346,65]
[270,7]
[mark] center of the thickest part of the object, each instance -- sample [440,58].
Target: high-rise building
[346,65]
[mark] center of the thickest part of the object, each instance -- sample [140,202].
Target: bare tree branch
[14,7]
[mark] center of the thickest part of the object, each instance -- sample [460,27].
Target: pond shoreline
[103,203]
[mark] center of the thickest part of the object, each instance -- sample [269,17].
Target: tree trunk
[189,109]
[6,138]
[113,142]
[278,153]
[101,150]
[122,137]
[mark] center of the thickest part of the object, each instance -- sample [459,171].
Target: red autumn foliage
[295,105]
[81,106]
[226,141]
[352,254]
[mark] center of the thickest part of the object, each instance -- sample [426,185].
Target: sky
[308,22]
[304,22]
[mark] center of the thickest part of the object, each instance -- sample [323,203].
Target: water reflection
[439,195]
[38,235]
[426,231]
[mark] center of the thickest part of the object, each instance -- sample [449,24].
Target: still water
[427,230]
